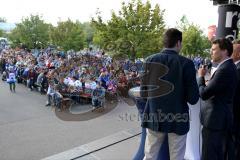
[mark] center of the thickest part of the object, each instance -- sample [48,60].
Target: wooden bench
[86,97]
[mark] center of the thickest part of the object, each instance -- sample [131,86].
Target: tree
[33,32]
[136,30]
[15,38]
[68,35]
[88,31]
[194,41]
[1,33]
[3,19]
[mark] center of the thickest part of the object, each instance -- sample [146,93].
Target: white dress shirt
[214,69]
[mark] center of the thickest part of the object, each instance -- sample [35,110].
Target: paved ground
[118,146]
[31,131]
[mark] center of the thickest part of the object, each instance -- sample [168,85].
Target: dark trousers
[233,145]
[42,89]
[230,147]
[237,145]
[213,144]
[58,102]
[30,84]
[12,86]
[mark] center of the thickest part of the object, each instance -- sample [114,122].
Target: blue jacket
[168,86]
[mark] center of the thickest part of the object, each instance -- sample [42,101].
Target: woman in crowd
[30,78]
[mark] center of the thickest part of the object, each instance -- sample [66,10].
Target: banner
[228,20]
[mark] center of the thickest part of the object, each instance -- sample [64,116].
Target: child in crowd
[12,80]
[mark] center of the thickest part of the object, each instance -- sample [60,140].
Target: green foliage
[88,31]
[68,35]
[136,30]
[15,38]
[194,41]
[1,33]
[32,32]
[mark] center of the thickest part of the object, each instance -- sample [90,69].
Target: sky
[200,12]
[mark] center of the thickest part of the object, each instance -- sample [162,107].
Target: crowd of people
[72,74]
[199,61]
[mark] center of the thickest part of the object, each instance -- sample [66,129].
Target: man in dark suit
[236,101]
[168,85]
[216,110]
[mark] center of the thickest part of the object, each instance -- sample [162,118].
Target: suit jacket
[236,102]
[168,84]
[217,96]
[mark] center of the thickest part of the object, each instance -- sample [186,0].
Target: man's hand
[202,72]
[206,82]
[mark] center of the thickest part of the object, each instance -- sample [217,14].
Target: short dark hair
[171,37]
[224,44]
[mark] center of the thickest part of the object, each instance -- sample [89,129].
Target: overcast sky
[200,12]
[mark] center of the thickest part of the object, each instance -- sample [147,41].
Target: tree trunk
[133,54]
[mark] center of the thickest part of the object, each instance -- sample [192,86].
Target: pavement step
[125,150]
[85,151]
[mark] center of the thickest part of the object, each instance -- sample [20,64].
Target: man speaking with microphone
[216,114]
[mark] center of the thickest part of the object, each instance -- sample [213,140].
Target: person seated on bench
[58,98]
[30,78]
[41,81]
[19,74]
[44,83]
[98,96]
[50,94]
[122,85]
[40,78]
